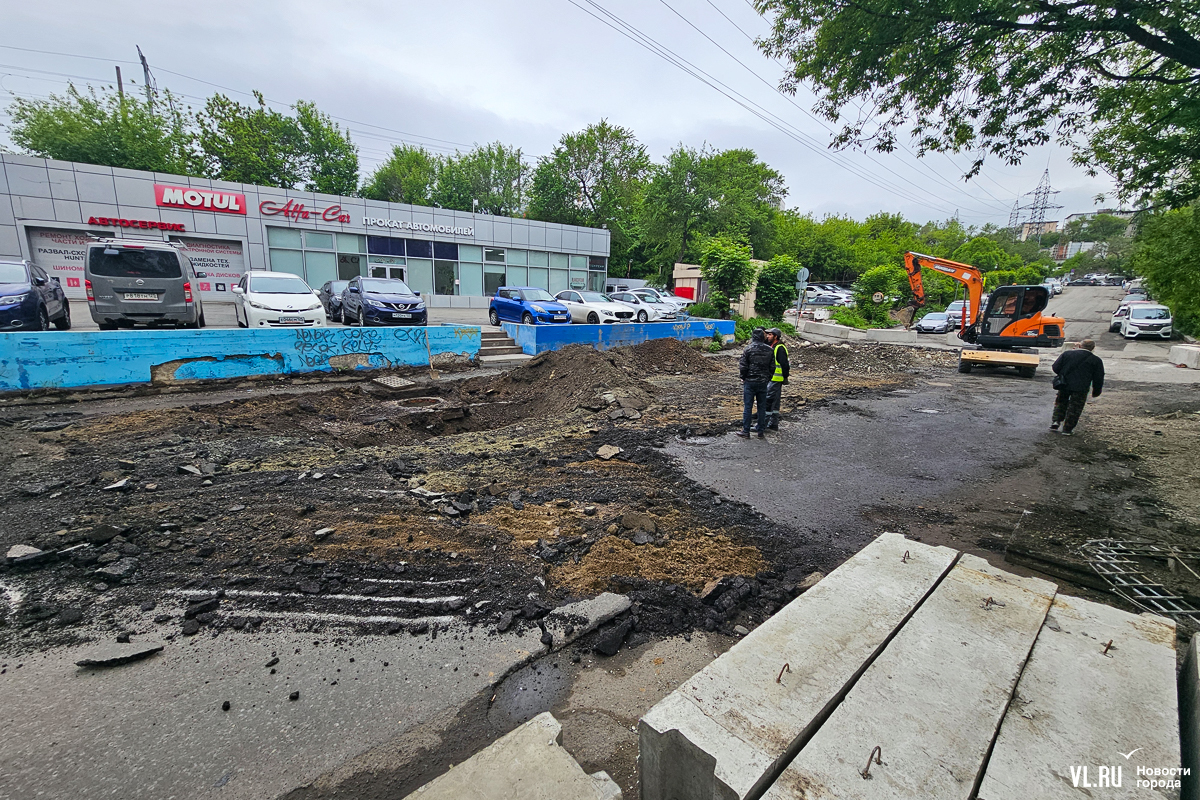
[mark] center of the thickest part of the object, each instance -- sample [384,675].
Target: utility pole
[120,88]
[150,87]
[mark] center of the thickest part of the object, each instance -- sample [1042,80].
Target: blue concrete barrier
[534,339]
[66,359]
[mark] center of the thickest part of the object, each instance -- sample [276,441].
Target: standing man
[756,366]
[1076,372]
[779,379]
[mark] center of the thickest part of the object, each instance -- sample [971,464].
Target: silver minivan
[132,282]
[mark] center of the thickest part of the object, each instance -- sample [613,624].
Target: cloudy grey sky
[457,72]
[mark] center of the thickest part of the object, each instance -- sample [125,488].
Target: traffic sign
[802,275]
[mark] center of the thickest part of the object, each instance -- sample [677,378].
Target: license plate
[286,320]
[560,316]
[402,316]
[141,296]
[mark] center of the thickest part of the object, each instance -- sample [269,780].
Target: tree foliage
[102,128]
[1166,255]
[776,288]
[491,178]
[408,176]
[1117,79]
[727,268]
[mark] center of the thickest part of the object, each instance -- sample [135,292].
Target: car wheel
[527,319]
[493,317]
[593,319]
[201,322]
[63,323]
[43,319]
[361,320]
[642,316]
[1027,372]
[964,366]
[342,315]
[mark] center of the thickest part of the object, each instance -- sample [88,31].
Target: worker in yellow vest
[779,379]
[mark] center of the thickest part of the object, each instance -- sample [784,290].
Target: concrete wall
[534,339]
[71,359]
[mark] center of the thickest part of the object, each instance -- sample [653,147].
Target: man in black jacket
[756,367]
[1078,371]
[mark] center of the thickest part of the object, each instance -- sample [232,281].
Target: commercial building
[49,210]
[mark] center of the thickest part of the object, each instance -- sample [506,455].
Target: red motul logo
[199,199]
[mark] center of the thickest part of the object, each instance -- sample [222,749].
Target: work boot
[1053,426]
[743,434]
[762,435]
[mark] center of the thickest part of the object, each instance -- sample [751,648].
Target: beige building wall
[688,275]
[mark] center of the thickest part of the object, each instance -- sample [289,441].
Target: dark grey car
[147,283]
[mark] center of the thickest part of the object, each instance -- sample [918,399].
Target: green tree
[726,266]
[776,288]
[1166,253]
[595,178]
[985,253]
[491,178]
[102,128]
[1119,80]
[256,144]
[890,280]
[408,176]
[675,202]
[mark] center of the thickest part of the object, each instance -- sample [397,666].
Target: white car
[1122,312]
[644,310]
[655,296]
[264,299]
[593,308]
[1147,319]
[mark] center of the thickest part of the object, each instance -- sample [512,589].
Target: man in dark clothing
[1078,371]
[779,379]
[756,367]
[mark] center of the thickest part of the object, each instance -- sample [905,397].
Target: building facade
[49,210]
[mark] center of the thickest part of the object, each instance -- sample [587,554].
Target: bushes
[744,327]
[889,280]
[851,318]
[705,309]
[776,289]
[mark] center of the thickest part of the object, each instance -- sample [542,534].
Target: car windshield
[385,286]
[120,262]
[1142,312]
[536,294]
[13,273]
[595,297]
[337,287]
[278,284]
[938,317]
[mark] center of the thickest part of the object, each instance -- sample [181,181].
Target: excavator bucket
[904,315]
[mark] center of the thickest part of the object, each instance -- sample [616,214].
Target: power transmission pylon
[1038,207]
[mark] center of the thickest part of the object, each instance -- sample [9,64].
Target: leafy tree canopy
[1165,253]
[776,288]
[408,176]
[1118,80]
[727,267]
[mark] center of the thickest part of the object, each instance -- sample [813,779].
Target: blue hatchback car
[30,299]
[527,305]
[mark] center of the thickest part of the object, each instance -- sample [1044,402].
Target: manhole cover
[393,381]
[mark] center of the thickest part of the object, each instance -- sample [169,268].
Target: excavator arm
[965,274]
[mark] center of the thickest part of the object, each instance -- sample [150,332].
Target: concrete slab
[528,763]
[1189,717]
[826,329]
[567,623]
[112,655]
[726,732]
[933,700]
[1185,355]
[1077,707]
[892,336]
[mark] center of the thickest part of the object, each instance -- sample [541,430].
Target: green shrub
[715,347]
[776,288]
[852,318]
[744,327]
[706,310]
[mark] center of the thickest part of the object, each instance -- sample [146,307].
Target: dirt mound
[560,381]
[668,356]
[861,358]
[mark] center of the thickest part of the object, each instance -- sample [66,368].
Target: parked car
[955,312]
[935,322]
[1083,282]
[1121,312]
[645,310]
[830,299]
[30,299]
[655,296]
[528,305]
[1053,288]
[265,299]
[381,301]
[331,297]
[131,282]
[1147,319]
[593,308]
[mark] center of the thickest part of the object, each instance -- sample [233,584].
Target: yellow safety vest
[778,376]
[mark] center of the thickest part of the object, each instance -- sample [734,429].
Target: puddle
[698,441]
[528,692]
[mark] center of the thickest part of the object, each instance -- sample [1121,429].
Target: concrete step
[729,730]
[507,358]
[934,699]
[528,763]
[499,350]
[493,333]
[1085,706]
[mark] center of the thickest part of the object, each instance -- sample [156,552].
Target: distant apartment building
[1035,229]
[1061,252]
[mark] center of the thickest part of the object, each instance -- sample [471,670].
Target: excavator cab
[1013,318]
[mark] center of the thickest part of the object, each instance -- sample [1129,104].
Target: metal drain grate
[1115,561]
[394,381]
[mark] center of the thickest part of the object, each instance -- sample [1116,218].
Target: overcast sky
[453,73]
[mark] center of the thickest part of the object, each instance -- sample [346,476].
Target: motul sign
[199,199]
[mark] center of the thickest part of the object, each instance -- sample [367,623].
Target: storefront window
[420,275]
[351,243]
[318,241]
[578,280]
[320,267]
[597,262]
[517,276]
[558,281]
[446,251]
[283,237]
[596,281]
[443,277]
[470,278]
[385,246]
[349,267]
[578,262]
[558,260]
[493,278]
[287,261]
[538,259]
[470,252]
[517,257]
[493,254]
[539,277]
[418,249]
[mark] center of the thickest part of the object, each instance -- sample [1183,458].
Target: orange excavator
[1004,333]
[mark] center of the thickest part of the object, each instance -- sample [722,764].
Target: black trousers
[774,397]
[1068,406]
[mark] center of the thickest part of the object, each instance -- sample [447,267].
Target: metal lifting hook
[877,757]
[786,668]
